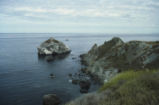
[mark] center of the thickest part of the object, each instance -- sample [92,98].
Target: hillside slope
[127,88]
[115,56]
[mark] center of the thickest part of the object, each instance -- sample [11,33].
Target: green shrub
[137,88]
[125,76]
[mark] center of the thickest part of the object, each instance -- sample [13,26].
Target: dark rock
[73,57]
[51,99]
[52,75]
[70,75]
[49,58]
[84,70]
[119,70]
[76,74]
[81,79]
[84,86]
[67,40]
[75,81]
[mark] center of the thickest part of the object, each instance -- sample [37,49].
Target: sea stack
[53,47]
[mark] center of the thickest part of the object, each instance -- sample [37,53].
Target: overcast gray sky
[81,16]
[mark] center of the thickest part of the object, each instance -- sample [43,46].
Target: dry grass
[133,88]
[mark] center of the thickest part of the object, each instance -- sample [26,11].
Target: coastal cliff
[129,73]
[115,56]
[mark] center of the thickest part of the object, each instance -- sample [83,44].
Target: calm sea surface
[24,78]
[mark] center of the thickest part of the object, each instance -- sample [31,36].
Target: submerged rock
[115,56]
[49,58]
[52,75]
[53,47]
[70,75]
[51,99]
[73,57]
[66,39]
[75,81]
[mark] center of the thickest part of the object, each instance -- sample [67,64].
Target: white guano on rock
[53,47]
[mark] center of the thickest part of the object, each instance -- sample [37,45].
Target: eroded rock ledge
[114,56]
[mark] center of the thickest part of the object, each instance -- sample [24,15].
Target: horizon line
[69,33]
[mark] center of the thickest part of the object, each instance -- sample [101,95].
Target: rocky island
[129,73]
[53,47]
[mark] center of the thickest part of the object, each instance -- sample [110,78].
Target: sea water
[24,78]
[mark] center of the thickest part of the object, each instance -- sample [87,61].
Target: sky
[79,16]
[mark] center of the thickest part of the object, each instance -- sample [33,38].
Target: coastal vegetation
[133,88]
[126,76]
[129,73]
[127,88]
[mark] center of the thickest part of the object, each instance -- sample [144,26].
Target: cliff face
[115,56]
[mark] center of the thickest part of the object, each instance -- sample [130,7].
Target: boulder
[81,79]
[51,99]
[84,86]
[53,47]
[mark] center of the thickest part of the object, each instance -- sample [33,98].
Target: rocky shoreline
[114,56]
[122,68]
[113,59]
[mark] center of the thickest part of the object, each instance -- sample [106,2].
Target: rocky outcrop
[51,99]
[81,79]
[115,56]
[53,47]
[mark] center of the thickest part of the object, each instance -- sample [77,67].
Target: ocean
[24,77]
